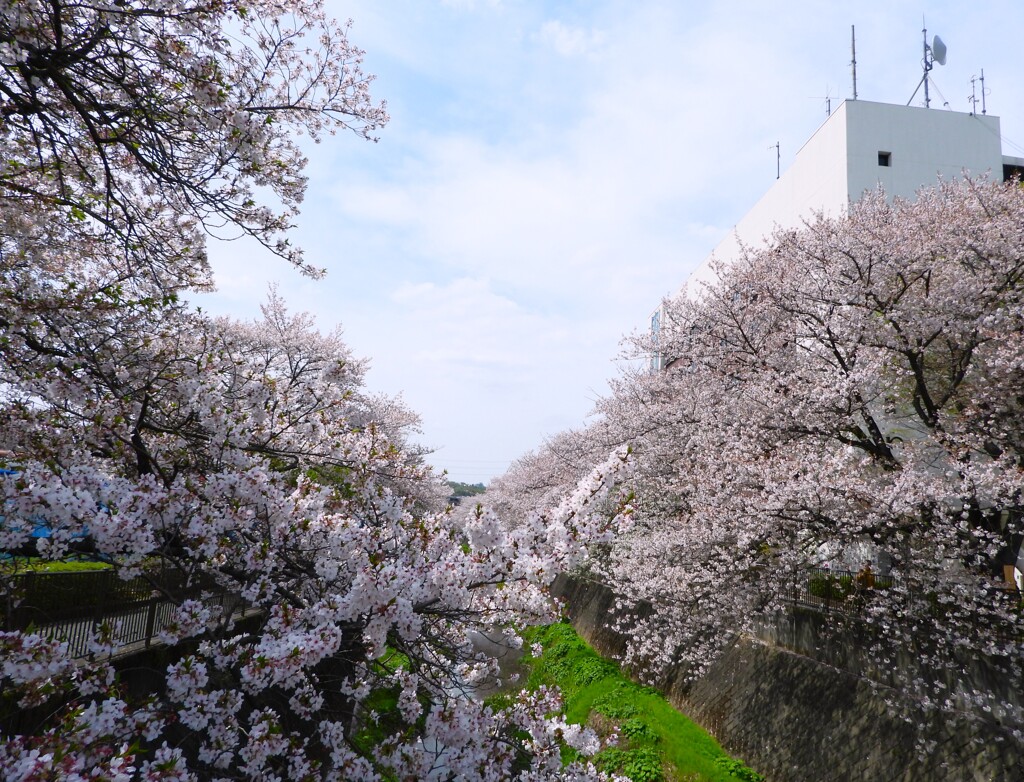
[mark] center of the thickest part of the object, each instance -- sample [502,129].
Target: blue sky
[552,169]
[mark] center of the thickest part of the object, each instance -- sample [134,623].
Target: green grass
[656,743]
[383,703]
[23,564]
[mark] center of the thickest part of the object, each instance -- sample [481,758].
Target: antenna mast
[827,98]
[853,62]
[927,65]
[936,53]
[982,90]
[778,159]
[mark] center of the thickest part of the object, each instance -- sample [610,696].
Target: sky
[551,170]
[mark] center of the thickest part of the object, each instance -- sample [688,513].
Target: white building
[861,146]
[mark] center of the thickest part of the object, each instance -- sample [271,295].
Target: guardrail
[841,591]
[73,606]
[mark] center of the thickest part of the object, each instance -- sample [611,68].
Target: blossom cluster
[849,392]
[267,474]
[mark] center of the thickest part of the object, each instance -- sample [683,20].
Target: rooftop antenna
[853,62]
[827,97]
[936,53]
[973,98]
[983,90]
[778,159]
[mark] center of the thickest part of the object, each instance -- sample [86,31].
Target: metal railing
[844,591]
[74,607]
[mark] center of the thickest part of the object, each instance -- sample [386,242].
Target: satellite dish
[939,50]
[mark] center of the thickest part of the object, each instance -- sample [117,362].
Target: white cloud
[469,5]
[543,185]
[475,363]
[570,41]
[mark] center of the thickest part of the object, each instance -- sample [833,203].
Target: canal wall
[780,701]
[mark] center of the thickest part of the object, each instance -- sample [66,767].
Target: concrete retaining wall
[795,718]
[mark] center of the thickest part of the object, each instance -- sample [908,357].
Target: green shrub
[636,730]
[640,765]
[831,587]
[738,769]
[617,703]
[643,765]
[840,587]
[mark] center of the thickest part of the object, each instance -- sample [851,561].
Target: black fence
[72,607]
[838,590]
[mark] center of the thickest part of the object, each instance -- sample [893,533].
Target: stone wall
[795,718]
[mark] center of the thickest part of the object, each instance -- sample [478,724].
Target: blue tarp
[41,527]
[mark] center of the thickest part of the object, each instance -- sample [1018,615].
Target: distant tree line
[460,489]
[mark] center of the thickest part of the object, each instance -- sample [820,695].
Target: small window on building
[1012,171]
[885,159]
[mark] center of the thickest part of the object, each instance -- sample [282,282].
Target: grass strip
[37,565]
[655,742]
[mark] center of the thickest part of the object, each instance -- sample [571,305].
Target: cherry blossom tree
[143,122]
[211,456]
[539,479]
[245,459]
[852,387]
